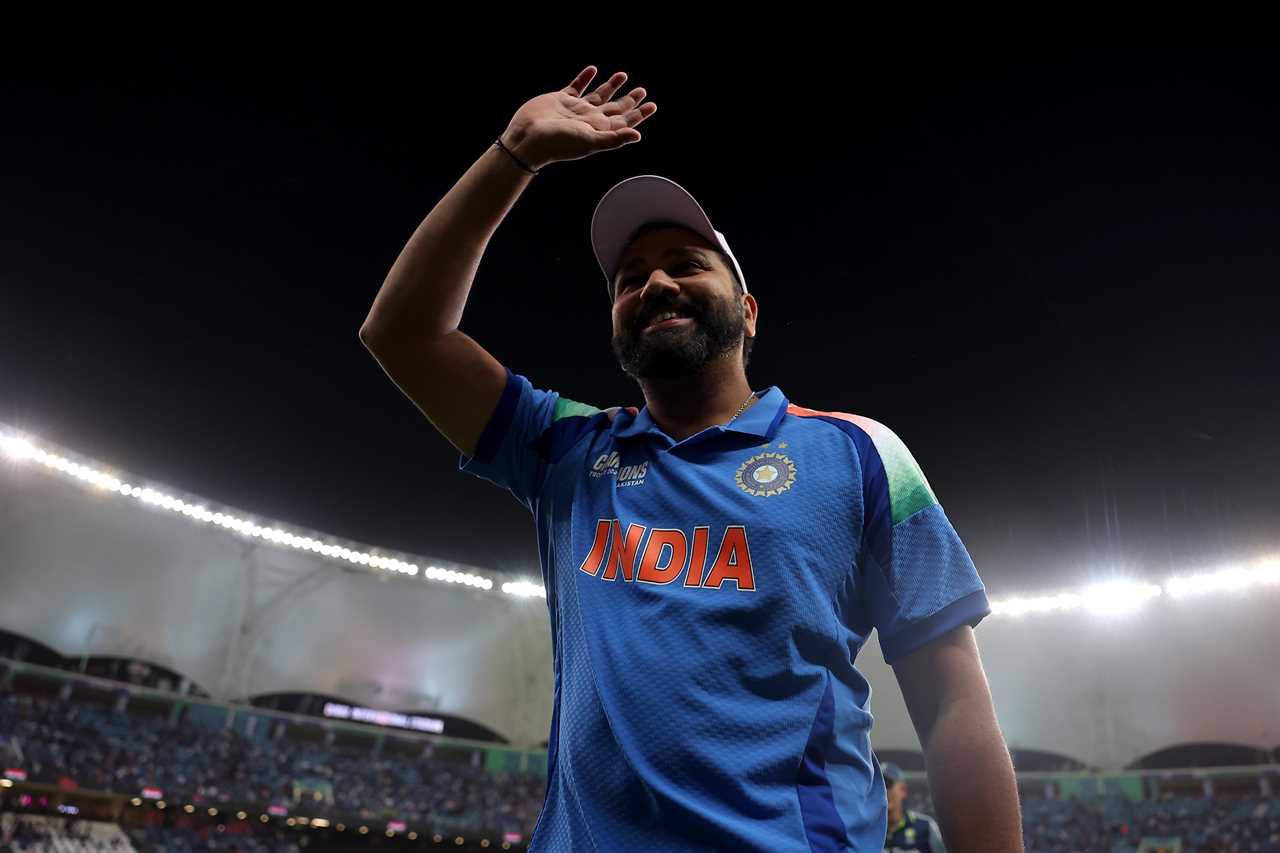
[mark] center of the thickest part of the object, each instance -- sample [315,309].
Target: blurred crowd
[1118,825]
[20,833]
[114,751]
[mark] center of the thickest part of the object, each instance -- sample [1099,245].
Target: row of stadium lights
[1112,598]
[313,822]
[1121,597]
[22,449]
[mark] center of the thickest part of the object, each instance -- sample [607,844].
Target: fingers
[581,82]
[606,90]
[631,118]
[622,105]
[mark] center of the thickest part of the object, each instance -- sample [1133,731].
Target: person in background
[908,831]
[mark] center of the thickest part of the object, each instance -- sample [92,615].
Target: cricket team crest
[766,474]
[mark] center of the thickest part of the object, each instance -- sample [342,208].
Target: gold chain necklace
[741,408]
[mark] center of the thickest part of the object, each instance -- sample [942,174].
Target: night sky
[1053,277]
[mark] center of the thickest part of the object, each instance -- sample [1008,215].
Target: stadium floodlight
[1115,597]
[1062,602]
[1127,596]
[20,448]
[524,589]
[1118,597]
[1264,572]
[16,448]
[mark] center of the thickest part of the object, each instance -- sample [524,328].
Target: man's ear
[751,313]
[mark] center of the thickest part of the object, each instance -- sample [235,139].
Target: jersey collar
[761,420]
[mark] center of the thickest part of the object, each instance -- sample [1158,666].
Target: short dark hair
[748,342]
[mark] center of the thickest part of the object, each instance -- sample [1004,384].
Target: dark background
[1052,276]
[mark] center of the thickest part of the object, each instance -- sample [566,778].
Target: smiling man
[714,561]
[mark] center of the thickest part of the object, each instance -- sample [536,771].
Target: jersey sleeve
[505,453]
[918,581]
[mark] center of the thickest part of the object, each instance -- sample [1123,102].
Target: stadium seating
[109,750]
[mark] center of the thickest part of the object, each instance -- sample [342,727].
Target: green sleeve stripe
[909,491]
[566,408]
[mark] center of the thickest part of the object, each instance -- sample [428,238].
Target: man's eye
[690,264]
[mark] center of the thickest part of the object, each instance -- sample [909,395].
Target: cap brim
[636,202]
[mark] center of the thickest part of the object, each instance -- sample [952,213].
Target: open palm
[569,125]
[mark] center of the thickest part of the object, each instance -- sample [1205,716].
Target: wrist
[519,147]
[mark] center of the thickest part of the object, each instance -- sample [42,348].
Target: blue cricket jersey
[707,600]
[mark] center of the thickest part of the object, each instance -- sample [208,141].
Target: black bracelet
[519,162]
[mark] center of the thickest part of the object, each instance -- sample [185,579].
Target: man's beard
[684,350]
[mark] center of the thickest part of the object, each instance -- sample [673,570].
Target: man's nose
[659,285]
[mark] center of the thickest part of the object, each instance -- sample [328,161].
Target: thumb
[607,140]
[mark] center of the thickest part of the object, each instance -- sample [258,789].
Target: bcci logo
[766,474]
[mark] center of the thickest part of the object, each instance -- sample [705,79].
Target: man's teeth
[669,315]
